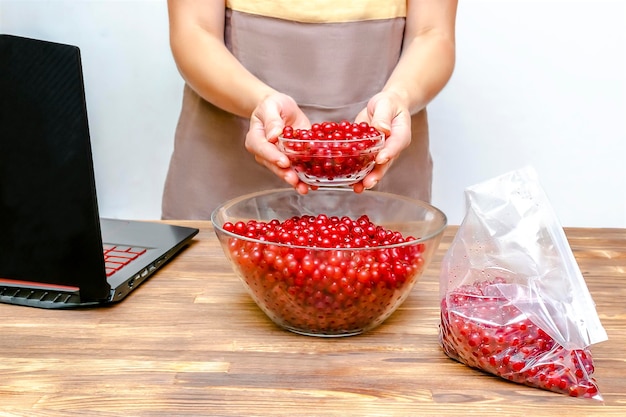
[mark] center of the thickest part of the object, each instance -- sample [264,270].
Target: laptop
[52,241]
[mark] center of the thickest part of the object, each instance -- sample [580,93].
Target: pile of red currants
[321,275]
[489,333]
[332,153]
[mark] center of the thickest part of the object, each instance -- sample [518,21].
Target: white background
[539,83]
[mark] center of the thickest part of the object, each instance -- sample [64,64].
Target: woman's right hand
[268,119]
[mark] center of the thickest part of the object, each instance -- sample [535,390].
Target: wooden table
[191,342]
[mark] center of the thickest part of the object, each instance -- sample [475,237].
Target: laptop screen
[49,223]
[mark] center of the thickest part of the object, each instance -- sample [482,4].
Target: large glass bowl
[322,291]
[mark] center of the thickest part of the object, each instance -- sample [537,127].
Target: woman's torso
[330,56]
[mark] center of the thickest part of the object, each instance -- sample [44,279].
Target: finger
[397,141]
[374,177]
[302,188]
[279,111]
[268,115]
[358,187]
[273,128]
[363,116]
[288,175]
[382,114]
[264,150]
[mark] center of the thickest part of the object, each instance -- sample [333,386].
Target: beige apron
[331,70]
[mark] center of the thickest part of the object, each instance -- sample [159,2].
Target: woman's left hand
[387,112]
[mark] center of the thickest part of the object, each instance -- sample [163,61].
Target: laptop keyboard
[117,257]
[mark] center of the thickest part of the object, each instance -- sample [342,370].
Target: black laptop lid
[49,222]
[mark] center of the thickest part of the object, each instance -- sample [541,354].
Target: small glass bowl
[332,163]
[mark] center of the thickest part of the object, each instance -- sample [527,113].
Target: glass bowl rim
[381,137]
[415,241]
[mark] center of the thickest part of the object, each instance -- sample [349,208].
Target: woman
[251,67]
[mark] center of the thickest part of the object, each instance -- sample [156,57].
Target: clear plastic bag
[513,300]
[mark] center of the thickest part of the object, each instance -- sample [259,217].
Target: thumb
[273,129]
[382,114]
[268,118]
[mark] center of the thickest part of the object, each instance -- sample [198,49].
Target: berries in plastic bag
[513,300]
